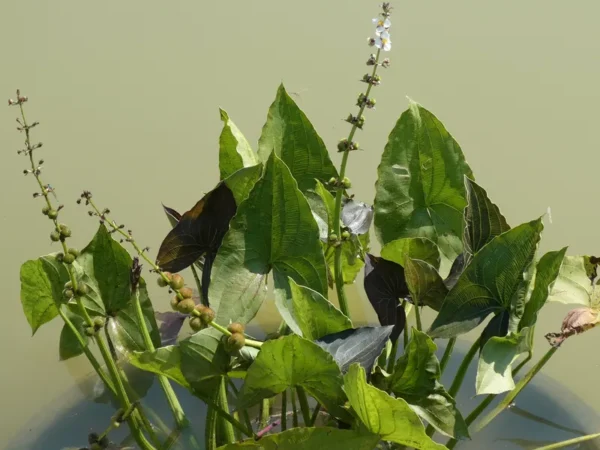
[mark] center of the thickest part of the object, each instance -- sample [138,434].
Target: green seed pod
[235,342]
[175,303]
[186,292]
[99,322]
[345,235]
[207,316]
[177,282]
[161,281]
[186,306]
[90,331]
[68,259]
[68,293]
[332,180]
[55,236]
[196,324]
[65,230]
[74,252]
[45,210]
[333,237]
[346,183]
[342,145]
[60,257]
[236,327]
[52,214]
[68,285]
[82,289]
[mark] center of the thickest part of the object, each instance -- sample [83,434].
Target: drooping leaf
[424,283]
[163,361]
[420,189]
[391,418]
[417,248]
[235,151]
[547,271]
[69,346]
[497,327]
[273,229]
[416,379]
[294,361]
[173,216]
[358,345]
[203,361]
[478,292]
[199,232]
[311,315]
[289,134]
[171,324]
[310,439]
[483,219]
[385,286]
[42,283]
[357,216]
[574,284]
[494,371]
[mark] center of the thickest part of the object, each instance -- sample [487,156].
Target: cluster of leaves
[445,246]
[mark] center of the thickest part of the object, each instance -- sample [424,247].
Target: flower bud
[177,281]
[45,210]
[74,252]
[60,257]
[346,183]
[68,294]
[68,259]
[235,342]
[175,303]
[186,292]
[342,145]
[90,331]
[55,236]
[196,324]
[161,281]
[186,306]
[82,289]
[68,285]
[236,327]
[345,235]
[52,214]
[333,237]
[65,230]
[99,322]
[333,180]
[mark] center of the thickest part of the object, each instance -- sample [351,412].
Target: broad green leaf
[163,361]
[391,418]
[273,229]
[235,152]
[424,283]
[69,346]
[310,439]
[106,262]
[290,135]
[311,315]
[420,189]
[203,361]
[574,282]
[92,300]
[294,361]
[494,371]
[489,282]
[547,271]
[42,283]
[416,380]
[352,261]
[242,182]
[415,248]
[483,219]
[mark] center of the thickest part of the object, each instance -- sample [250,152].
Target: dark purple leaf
[170,326]
[357,216]
[497,327]
[173,216]
[199,232]
[385,286]
[455,271]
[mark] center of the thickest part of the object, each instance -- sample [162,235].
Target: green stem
[418,316]
[338,273]
[392,358]
[462,370]
[172,399]
[573,441]
[238,434]
[447,354]
[315,415]
[226,427]
[284,410]
[294,409]
[198,285]
[226,332]
[265,413]
[510,397]
[303,400]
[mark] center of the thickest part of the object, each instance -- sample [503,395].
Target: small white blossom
[383,41]
[381,25]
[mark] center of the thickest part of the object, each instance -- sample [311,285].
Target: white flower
[381,25]
[383,41]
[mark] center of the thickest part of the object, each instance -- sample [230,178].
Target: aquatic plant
[286,211]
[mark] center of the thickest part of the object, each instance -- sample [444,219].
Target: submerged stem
[303,400]
[563,444]
[462,370]
[284,410]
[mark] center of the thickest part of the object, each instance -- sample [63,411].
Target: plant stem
[198,285]
[265,413]
[303,405]
[510,397]
[447,354]
[338,273]
[284,410]
[392,358]
[294,410]
[462,370]
[226,427]
[418,316]
[315,415]
[573,441]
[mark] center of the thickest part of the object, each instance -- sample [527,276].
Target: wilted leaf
[483,219]
[357,216]
[311,315]
[294,361]
[425,285]
[309,439]
[358,345]
[69,346]
[199,232]
[42,283]
[574,284]
[273,229]
[420,189]
[163,361]
[478,292]
[417,248]
[385,285]
[290,135]
[576,321]
[391,418]
[234,150]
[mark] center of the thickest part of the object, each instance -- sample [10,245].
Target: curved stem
[338,273]
[462,370]
[447,354]
[569,442]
